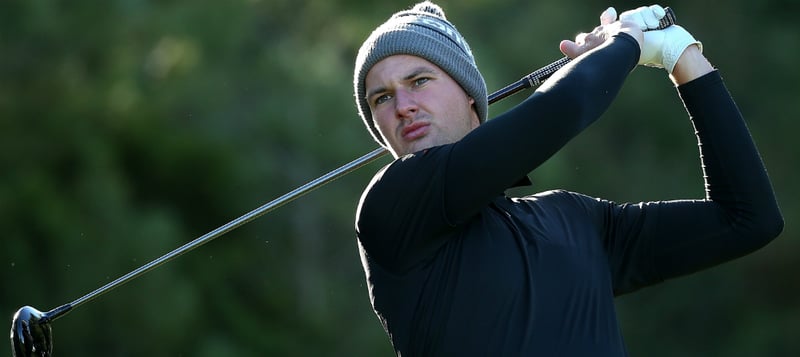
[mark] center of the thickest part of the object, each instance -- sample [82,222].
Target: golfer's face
[416,105]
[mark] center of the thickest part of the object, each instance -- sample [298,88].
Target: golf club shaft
[258,212]
[531,80]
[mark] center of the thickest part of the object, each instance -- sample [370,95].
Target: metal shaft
[258,212]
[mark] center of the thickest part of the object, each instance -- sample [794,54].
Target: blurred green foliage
[128,128]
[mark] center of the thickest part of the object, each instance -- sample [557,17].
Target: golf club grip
[535,78]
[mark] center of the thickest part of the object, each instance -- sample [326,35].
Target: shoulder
[409,183]
[409,171]
[400,216]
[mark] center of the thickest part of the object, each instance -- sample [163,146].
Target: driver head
[31,334]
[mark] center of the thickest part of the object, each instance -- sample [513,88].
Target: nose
[405,104]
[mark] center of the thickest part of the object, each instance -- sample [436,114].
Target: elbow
[766,226]
[772,225]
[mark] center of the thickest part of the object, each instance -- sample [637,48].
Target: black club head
[31,334]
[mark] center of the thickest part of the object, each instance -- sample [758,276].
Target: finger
[608,16]
[650,17]
[635,17]
[569,48]
[658,11]
[581,38]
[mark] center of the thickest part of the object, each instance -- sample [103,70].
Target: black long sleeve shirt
[456,268]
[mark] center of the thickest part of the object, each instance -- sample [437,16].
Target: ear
[476,121]
[472,105]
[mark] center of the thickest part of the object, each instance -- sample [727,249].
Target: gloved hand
[661,48]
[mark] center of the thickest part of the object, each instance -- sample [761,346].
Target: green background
[128,128]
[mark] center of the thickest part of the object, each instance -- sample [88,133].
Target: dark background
[128,128]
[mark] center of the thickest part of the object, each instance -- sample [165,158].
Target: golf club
[31,332]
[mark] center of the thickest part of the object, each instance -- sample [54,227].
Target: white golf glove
[661,48]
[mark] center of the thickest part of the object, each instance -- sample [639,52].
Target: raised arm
[503,150]
[650,242]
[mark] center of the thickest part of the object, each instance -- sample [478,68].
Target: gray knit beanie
[424,32]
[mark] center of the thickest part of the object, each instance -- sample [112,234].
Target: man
[456,268]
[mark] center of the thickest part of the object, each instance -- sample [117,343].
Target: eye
[420,81]
[383,98]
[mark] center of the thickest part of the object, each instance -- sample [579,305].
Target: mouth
[415,131]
